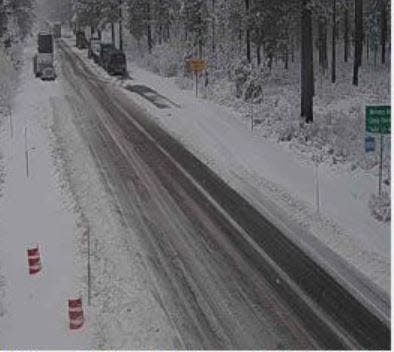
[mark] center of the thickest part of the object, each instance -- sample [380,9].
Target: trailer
[45,43]
[43,66]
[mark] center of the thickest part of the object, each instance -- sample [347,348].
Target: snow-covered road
[177,259]
[277,181]
[131,165]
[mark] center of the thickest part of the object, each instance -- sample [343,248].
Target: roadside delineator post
[75,313]
[33,257]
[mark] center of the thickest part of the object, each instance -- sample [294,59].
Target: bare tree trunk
[149,27]
[292,49]
[213,27]
[334,43]
[3,19]
[346,35]
[113,33]
[248,50]
[367,44]
[383,30]
[375,59]
[358,47]
[307,84]
[286,56]
[322,44]
[200,42]
[120,26]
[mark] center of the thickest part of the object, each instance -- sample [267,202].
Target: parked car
[57,30]
[114,62]
[104,49]
[81,41]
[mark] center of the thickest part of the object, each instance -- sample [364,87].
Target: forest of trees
[258,31]
[16,20]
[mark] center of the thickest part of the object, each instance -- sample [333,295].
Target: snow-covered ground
[61,202]
[275,178]
[36,210]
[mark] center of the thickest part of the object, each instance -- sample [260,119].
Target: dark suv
[114,61]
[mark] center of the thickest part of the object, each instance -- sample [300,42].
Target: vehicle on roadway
[57,30]
[94,49]
[104,48]
[81,42]
[48,74]
[114,62]
[44,59]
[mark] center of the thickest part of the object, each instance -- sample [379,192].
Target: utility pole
[2,18]
[248,46]
[120,27]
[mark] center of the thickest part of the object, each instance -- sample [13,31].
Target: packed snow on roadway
[316,182]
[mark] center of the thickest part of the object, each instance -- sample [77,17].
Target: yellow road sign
[197,65]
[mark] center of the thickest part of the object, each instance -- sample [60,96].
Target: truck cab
[113,60]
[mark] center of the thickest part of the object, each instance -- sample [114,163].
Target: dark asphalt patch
[160,101]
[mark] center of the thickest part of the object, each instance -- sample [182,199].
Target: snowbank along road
[224,275]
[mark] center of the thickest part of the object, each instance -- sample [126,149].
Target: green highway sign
[378,119]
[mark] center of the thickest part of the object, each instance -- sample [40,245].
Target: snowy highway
[222,274]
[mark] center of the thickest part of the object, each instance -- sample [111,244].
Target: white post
[317,193]
[89,270]
[11,125]
[251,117]
[26,153]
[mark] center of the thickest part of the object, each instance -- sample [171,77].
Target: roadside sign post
[196,73]
[378,120]
[197,66]
[251,117]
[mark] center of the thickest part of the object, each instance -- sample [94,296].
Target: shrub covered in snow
[380,206]
[165,59]
[248,80]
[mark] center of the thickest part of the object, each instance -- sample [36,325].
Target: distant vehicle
[48,74]
[94,49]
[104,49]
[57,30]
[45,43]
[42,61]
[114,62]
[81,41]
[44,58]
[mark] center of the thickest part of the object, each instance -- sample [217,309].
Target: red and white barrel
[75,313]
[33,257]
